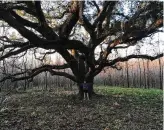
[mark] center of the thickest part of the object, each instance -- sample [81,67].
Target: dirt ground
[38,110]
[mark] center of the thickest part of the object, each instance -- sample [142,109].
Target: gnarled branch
[122,59]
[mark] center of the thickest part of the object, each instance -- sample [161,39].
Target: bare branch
[24,21]
[97,7]
[122,59]
[14,45]
[107,8]
[83,20]
[70,22]
[121,14]
[7,17]
[63,74]
[22,49]
[40,14]
[36,71]
[58,67]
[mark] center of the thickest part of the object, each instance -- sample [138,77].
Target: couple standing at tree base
[86,90]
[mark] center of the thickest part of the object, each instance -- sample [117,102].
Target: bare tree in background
[148,74]
[127,72]
[160,67]
[140,73]
[160,73]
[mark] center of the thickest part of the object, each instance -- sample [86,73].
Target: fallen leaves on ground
[51,111]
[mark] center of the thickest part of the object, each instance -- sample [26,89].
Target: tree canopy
[74,29]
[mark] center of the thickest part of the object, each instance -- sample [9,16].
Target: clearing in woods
[113,109]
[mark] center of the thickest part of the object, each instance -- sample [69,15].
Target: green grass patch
[128,91]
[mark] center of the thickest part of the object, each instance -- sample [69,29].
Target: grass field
[113,109]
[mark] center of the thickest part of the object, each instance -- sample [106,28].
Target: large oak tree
[58,26]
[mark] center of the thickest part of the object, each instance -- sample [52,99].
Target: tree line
[134,73]
[138,73]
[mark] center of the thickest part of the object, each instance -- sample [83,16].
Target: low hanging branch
[69,76]
[32,73]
